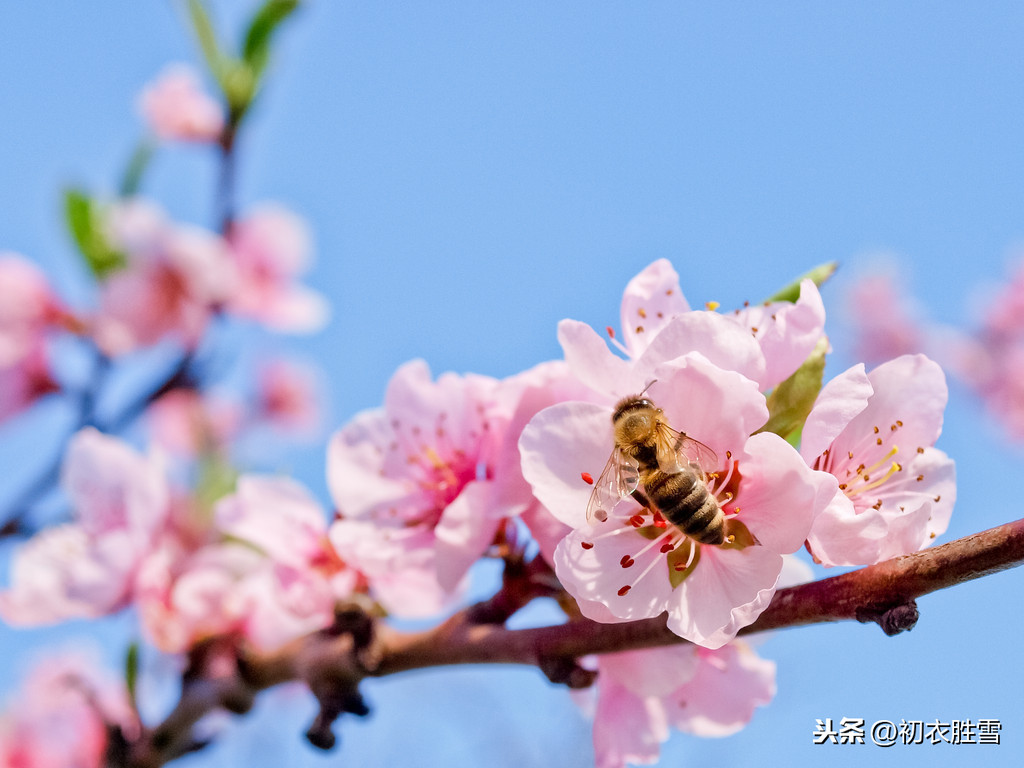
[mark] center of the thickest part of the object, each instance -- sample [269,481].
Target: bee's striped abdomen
[683,500]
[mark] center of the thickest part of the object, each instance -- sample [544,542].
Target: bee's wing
[619,478]
[676,450]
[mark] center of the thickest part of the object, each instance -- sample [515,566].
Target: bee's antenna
[648,386]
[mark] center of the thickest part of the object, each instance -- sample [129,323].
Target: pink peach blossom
[23,382]
[187,422]
[274,577]
[87,568]
[176,276]
[27,307]
[288,395]
[658,326]
[710,693]
[413,478]
[423,484]
[176,108]
[61,715]
[886,319]
[270,247]
[875,432]
[622,569]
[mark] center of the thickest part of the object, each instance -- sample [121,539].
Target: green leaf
[678,570]
[791,401]
[239,84]
[256,48]
[82,217]
[131,671]
[132,179]
[217,478]
[207,38]
[818,276]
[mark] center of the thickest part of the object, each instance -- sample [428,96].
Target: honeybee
[662,469]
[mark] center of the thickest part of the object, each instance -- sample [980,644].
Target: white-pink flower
[876,433]
[177,109]
[87,568]
[636,565]
[271,249]
[175,277]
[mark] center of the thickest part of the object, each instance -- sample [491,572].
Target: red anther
[636,521]
[587,544]
[659,520]
[626,561]
[680,567]
[611,331]
[587,478]
[624,590]
[667,547]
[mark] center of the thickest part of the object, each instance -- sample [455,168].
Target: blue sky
[475,172]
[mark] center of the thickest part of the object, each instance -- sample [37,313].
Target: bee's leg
[641,499]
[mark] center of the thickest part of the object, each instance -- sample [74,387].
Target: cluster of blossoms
[433,480]
[448,470]
[457,468]
[160,280]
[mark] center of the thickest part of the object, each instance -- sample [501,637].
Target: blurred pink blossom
[885,317]
[700,691]
[176,276]
[87,568]
[177,109]
[62,713]
[189,423]
[25,381]
[288,395]
[273,577]
[27,307]
[271,250]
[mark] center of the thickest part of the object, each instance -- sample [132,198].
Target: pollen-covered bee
[662,469]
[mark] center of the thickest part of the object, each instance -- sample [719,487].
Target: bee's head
[634,419]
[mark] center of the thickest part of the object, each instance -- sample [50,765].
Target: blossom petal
[839,401]
[466,529]
[724,691]
[591,361]
[556,447]
[787,332]
[727,591]
[717,338]
[627,729]
[650,300]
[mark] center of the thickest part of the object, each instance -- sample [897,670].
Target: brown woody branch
[333,662]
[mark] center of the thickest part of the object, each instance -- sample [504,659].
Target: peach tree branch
[332,662]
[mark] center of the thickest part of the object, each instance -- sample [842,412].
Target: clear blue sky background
[475,172]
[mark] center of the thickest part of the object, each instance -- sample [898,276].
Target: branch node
[564,670]
[893,619]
